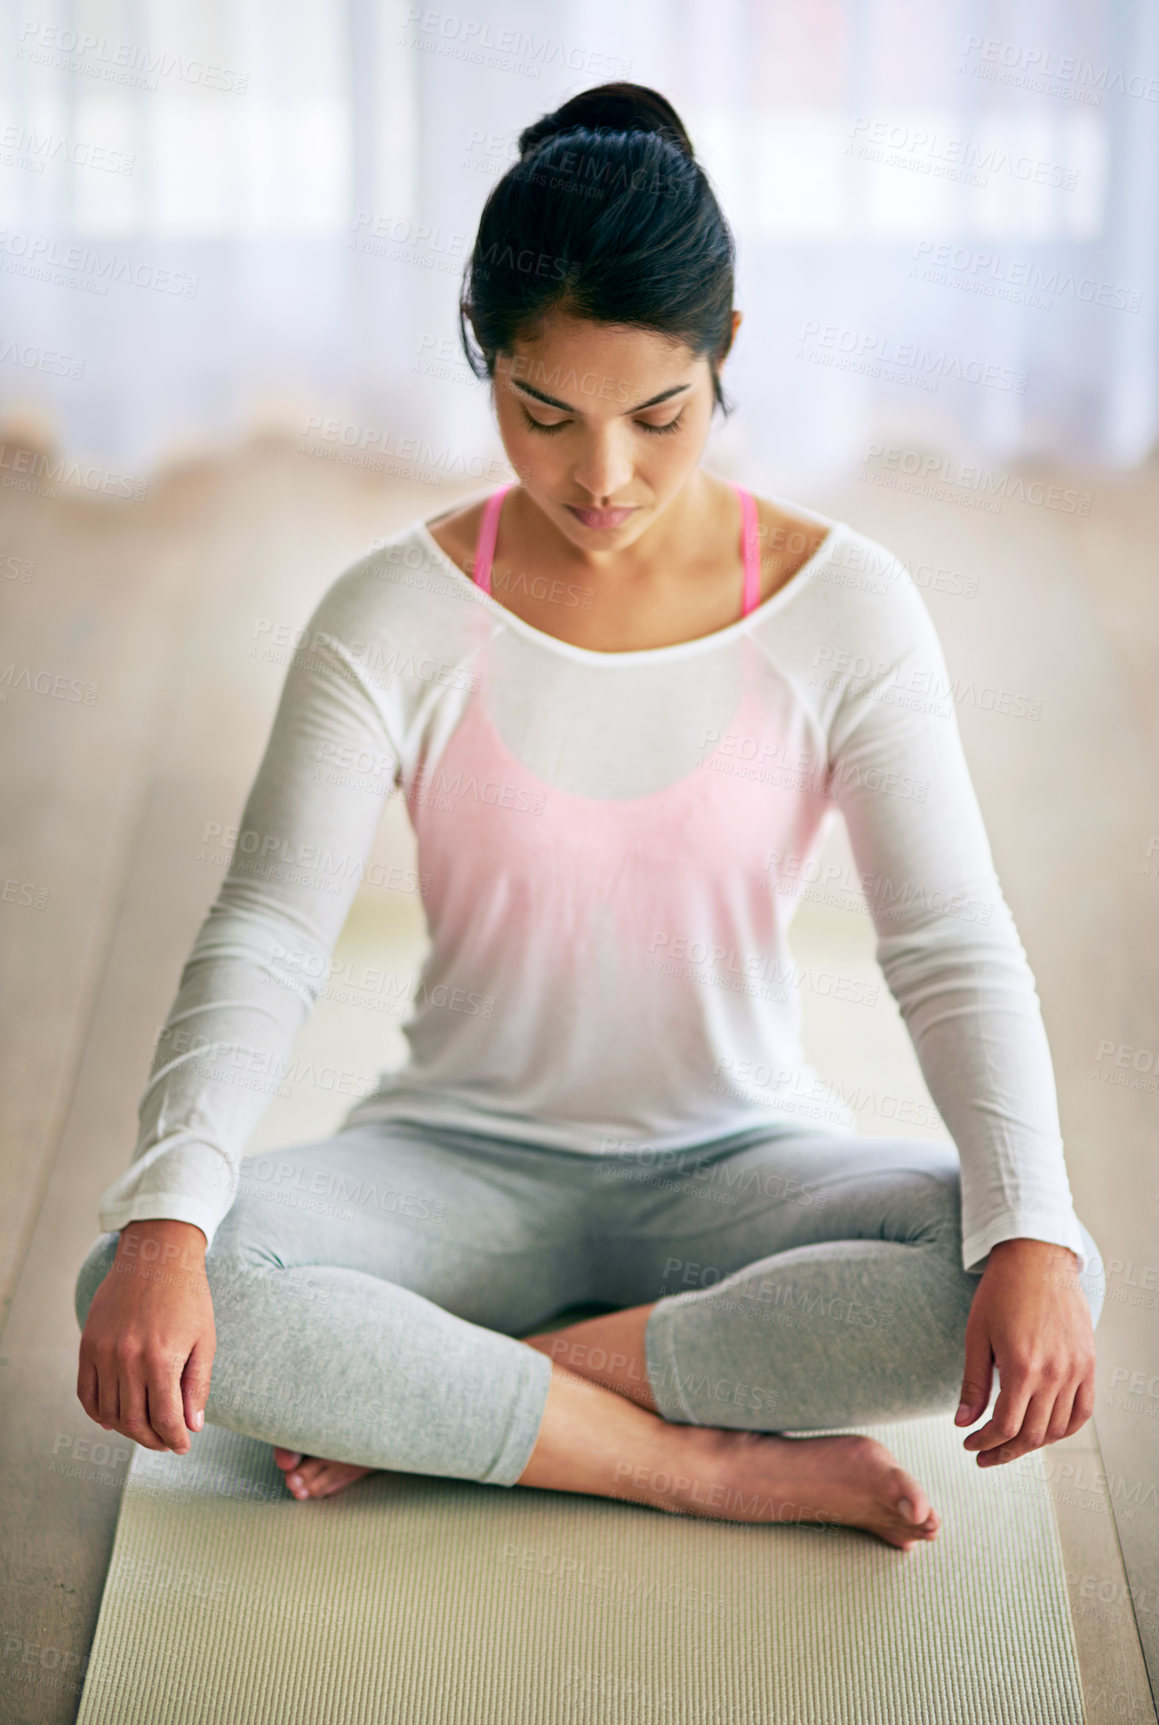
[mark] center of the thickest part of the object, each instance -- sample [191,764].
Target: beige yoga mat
[417,1601]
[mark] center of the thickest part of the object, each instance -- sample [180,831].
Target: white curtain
[222,214]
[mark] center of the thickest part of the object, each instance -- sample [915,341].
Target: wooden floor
[156,614]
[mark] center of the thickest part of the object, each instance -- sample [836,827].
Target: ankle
[593,1440]
[608,1350]
[682,1473]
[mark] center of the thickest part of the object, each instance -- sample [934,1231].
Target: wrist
[1044,1252]
[161,1239]
[1024,1242]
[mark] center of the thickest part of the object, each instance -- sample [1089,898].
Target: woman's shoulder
[456,531]
[856,595]
[784,522]
[789,537]
[399,584]
[851,562]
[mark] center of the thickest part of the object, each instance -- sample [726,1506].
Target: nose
[604,469]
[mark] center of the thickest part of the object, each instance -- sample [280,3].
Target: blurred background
[231,245]
[239,216]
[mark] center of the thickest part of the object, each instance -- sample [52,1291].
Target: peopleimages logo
[926,472]
[901,361]
[925,150]
[1037,68]
[119,61]
[46,258]
[991,273]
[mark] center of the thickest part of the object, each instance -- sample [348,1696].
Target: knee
[241,1245]
[1093,1280]
[92,1273]
[931,1202]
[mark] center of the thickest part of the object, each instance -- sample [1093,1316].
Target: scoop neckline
[637,655]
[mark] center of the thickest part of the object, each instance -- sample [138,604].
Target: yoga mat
[416,1601]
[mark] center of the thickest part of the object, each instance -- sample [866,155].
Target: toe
[348,1474]
[330,1480]
[915,1521]
[911,1501]
[287,1458]
[302,1479]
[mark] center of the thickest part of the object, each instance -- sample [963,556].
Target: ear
[733,327]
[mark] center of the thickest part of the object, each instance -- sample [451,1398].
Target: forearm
[161,1252]
[976,1025]
[218,1063]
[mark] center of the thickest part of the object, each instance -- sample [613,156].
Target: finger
[195,1385]
[86,1385]
[133,1420]
[1006,1420]
[108,1394]
[976,1378]
[1030,1434]
[164,1408]
[1084,1406]
[1061,1416]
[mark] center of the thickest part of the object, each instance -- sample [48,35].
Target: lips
[601,519]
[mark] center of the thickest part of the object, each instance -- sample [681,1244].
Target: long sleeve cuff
[178,1181]
[1049,1225]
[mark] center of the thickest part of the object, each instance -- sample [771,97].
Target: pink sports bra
[750,543]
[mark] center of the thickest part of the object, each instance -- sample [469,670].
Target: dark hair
[607,215]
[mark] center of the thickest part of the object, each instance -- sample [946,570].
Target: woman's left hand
[1029,1318]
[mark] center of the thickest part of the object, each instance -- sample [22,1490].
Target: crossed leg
[695,1461]
[848,1235]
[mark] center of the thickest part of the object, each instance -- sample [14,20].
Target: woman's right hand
[146,1353]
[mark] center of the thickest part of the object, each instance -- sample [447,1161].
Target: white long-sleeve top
[611,847]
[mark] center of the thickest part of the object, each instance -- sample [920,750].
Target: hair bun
[610,108]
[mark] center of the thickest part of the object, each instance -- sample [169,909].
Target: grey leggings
[368,1290]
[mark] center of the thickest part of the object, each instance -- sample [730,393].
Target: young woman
[624,700]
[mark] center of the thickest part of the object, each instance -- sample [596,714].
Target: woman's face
[602,424]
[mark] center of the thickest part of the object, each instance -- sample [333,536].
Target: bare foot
[313,1476]
[701,1470]
[848,1479]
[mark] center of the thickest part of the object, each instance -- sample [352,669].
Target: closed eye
[669,424]
[542,425]
[534,424]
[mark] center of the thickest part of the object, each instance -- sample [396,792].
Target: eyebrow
[564,407]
